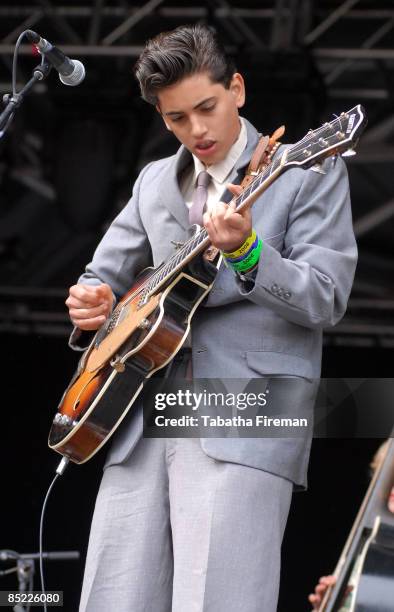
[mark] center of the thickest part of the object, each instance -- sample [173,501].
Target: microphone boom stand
[14,101]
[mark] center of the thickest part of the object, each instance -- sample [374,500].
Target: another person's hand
[89,306]
[316,597]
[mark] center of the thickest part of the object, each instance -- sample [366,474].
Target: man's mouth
[205,146]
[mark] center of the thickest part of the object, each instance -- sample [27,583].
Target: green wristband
[250,261]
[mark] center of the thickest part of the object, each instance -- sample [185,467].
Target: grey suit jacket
[271,329]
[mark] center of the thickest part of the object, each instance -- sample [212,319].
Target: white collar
[222,169]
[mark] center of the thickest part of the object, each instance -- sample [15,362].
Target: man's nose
[198,127]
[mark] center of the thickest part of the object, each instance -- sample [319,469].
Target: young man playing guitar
[196,524]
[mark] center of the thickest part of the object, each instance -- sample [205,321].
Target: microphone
[71,72]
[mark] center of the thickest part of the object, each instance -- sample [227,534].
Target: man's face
[203,115]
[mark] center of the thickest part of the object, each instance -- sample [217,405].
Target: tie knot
[203,179]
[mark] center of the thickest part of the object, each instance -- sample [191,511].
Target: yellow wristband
[245,246]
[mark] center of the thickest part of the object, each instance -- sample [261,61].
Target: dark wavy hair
[171,56]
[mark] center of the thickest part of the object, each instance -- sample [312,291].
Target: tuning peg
[349,153]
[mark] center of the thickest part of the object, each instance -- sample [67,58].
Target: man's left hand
[227,228]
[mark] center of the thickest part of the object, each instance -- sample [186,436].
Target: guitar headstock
[337,137]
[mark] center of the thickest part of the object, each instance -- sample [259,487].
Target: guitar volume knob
[145,324]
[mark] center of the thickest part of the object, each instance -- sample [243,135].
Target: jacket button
[274,288]
[280,292]
[287,295]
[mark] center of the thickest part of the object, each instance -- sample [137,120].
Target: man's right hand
[89,306]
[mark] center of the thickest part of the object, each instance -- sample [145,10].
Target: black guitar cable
[59,472]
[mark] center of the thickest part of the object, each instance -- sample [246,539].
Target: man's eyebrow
[211,99]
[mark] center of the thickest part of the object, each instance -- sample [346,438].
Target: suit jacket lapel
[170,194]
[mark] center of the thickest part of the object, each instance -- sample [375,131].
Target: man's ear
[237,88]
[161,115]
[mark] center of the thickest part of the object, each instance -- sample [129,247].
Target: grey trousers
[175,530]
